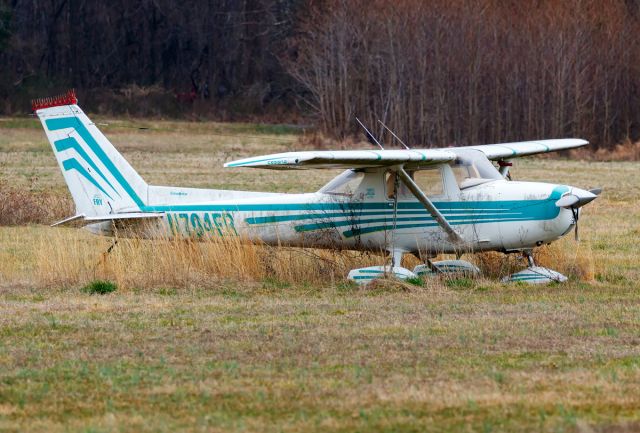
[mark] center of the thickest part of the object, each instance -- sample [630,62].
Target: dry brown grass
[571,258]
[574,259]
[19,206]
[65,259]
[318,140]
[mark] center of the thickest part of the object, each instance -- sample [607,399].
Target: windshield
[472,168]
[345,184]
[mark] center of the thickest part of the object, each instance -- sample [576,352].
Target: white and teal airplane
[414,201]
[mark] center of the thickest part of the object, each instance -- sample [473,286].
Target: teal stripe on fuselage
[358,222]
[368,230]
[469,206]
[443,206]
[271,219]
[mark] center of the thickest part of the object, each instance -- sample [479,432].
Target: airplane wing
[501,151]
[345,159]
[381,158]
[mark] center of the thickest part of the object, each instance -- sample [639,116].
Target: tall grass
[65,259]
[573,259]
[19,206]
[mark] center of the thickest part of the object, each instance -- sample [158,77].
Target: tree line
[216,52]
[437,72]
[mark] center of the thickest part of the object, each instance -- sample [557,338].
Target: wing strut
[429,206]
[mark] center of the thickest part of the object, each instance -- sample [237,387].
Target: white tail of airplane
[101,181]
[104,186]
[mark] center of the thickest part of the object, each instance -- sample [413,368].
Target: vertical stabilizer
[101,181]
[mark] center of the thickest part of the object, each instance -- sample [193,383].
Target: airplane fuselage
[498,215]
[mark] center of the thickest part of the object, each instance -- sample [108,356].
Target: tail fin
[101,181]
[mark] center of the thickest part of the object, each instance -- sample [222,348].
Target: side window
[389,182]
[429,181]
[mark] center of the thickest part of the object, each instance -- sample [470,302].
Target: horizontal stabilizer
[82,220]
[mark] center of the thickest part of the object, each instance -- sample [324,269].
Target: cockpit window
[472,168]
[345,184]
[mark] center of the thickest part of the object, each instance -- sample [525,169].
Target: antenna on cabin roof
[393,133]
[369,135]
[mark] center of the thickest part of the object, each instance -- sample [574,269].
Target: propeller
[575,200]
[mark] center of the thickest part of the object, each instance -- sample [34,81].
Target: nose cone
[584,197]
[577,198]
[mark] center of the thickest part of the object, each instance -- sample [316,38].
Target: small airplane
[411,201]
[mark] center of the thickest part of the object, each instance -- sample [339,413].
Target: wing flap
[345,159]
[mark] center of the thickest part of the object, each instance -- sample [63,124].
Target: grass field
[278,353]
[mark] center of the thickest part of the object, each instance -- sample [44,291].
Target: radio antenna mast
[393,133]
[370,136]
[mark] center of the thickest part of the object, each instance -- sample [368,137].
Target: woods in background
[458,71]
[222,53]
[438,72]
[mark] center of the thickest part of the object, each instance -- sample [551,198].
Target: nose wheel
[534,274]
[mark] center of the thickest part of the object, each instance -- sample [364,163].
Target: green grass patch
[416,281]
[459,283]
[99,287]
